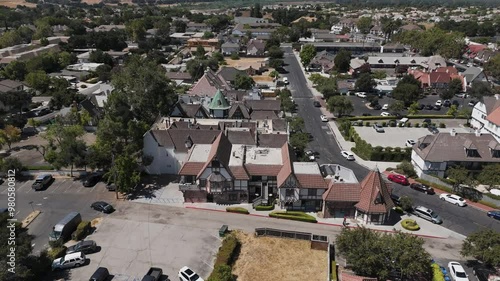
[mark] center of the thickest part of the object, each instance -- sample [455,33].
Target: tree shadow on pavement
[149,185]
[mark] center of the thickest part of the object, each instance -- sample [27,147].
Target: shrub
[408,124]
[57,252]
[410,224]
[417,125]
[333,277]
[425,125]
[239,210]
[437,274]
[221,273]
[406,203]
[81,231]
[434,124]
[442,125]
[407,169]
[264,208]
[384,124]
[389,169]
[56,244]
[367,124]
[392,123]
[227,251]
[298,216]
[399,210]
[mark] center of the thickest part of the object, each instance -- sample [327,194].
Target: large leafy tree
[377,255]
[38,80]
[364,24]
[365,83]
[15,70]
[340,105]
[408,90]
[490,175]
[9,135]
[454,87]
[125,173]
[244,82]
[16,100]
[307,54]
[480,89]
[342,60]
[483,245]
[434,41]
[492,67]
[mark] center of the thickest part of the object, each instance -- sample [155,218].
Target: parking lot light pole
[31,204]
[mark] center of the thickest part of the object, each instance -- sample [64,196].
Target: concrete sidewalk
[428,229]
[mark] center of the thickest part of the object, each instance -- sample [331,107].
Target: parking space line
[57,187]
[22,185]
[69,187]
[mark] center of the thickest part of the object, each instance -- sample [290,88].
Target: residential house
[229,48]
[440,78]
[429,63]
[249,20]
[486,116]
[485,55]
[197,27]
[208,85]
[410,27]
[180,78]
[323,61]
[434,154]
[472,74]
[256,47]
[229,74]
[8,86]
[377,30]
[472,50]
[183,37]
[368,201]
[189,110]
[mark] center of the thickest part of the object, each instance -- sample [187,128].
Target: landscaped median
[437,274]
[225,259]
[291,215]
[264,208]
[239,210]
[410,224]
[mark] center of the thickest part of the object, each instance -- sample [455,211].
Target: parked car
[494,214]
[311,155]
[437,107]
[462,95]
[483,272]
[438,103]
[285,80]
[385,114]
[410,143]
[377,107]
[429,106]
[396,199]
[428,214]
[427,120]
[420,106]
[366,114]
[398,179]
[347,155]
[92,180]
[447,103]
[378,128]
[422,188]
[455,103]
[433,129]
[69,261]
[42,181]
[360,94]
[86,247]
[457,272]
[102,206]
[101,274]
[111,186]
[472,103]
[385,107]
[323,118]
[316,103]
[453,199]
[153,274]
[186,274]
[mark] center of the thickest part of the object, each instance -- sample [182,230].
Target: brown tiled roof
[208,85]
[263,170]
[271,140]
[374,197]
[239,106]
[342,192]
[439,77]
[190,110]
[287,168]
[241,137]
[263,115]
[162,137]
[239,172]
[221,149]
[344,276]
[177,138]
[311,181]
[191,168]
[274,105]
[447,69]
[494,116]
[443,147]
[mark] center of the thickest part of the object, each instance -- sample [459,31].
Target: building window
[203,182]
[311,192]
[289,192]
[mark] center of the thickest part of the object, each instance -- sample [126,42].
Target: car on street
[69,261]
[285,80]
[457,272]
[410,143]
[378,128]
[494,214]
[316,103]
[42,181]
[323,118]
[385,114]
[186,274]
[360,94]
[385,107]
[453,199]
[92,180]
[483,272]
[102,206]
[433,129]
[396,199]
[422,188]
[447,103]
[347,155]
[86,247]
[428,214]
[438,103]
[398,179]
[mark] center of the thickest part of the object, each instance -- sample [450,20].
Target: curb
[30,218]
[321,223]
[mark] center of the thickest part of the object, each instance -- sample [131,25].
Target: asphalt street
[462,220]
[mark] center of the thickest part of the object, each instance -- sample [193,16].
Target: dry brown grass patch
[269,258]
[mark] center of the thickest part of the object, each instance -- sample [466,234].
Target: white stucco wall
[165,160]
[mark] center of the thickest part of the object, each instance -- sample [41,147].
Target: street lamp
[31,204]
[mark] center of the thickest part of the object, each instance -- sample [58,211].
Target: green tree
[244,82]
[483,245]
[299,141]
[15,70]
[342,61]
[99,56]
[275,52]
[255,11]
[38,80]
[480,89]
[136,29]
[454,87]
[452,111]
[200,52]
[406,92]
[379,74]
[307,53]
[397,106]
[208,35]
[460,175]
[276,63]
[286,101]
[9,135]
[340,104]
[61,93]
[406,203]
[196,67]
[218,57]
[274,74]
[490,174]
[365,83]
[66,59]
[103,72]
[296,124]
[492,67]
[364,25]
[125,172]
[16,100]
[11,163]
[466,113]
[413,109]
[407,168]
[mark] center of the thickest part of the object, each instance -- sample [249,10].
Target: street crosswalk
[58,186]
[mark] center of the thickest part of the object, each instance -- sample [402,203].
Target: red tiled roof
[286,169]
[494,116]
[221,149]
[375,197]
[345,192]
[476,48]
[191,168]
[439,77]
[351,277]
[263,170]
[239,172]
[447,69]
[311,181]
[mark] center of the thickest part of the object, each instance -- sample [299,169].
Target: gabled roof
[229,73]
[494,116]
[208,85]
[90,107]
[287,168]
[271,140]
[191,110]
[239,107]
[375,196]
[177,138]
[258,44]
[439,77]
[472,73]
[263,115]
[342,192]
[274,105]
[491,103]
[219,102]
[221,149]
[447,69]
[241,137]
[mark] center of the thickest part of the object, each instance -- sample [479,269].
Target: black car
[427,120]
[316,103]
[447,103]
[482,271]
[396,199]
[377,107]
[366,114]
[86,247]
[437,107]
[433,129]
[455,103]
[422,188]
[420,106]
[102,206]
[92,180]
[429,107]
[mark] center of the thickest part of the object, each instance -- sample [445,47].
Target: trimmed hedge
[410,224]
[437,274]
[57,252]
[239,210]
[290,215]
[225,256]
[264,208]
[81,231]
[399,210]
[333,277]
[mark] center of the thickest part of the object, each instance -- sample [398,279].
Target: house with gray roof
[472,74]
[229,48]
[434,154]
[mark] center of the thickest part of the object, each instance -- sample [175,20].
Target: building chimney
[453,132]
[478,133]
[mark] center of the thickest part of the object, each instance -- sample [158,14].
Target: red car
[398,179]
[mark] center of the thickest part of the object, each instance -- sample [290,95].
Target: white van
[403,121]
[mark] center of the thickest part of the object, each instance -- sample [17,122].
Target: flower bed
[410,224]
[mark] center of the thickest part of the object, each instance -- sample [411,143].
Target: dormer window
[413,61]
[380,61]
[469,152]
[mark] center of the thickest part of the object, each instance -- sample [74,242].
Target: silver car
[378,128]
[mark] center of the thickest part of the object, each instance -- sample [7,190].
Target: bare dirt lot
[244,63]
[269,258]
[15,3]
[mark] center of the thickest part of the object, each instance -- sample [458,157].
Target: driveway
[396,137]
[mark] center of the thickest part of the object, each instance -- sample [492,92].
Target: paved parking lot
[396,137]
[137,236]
